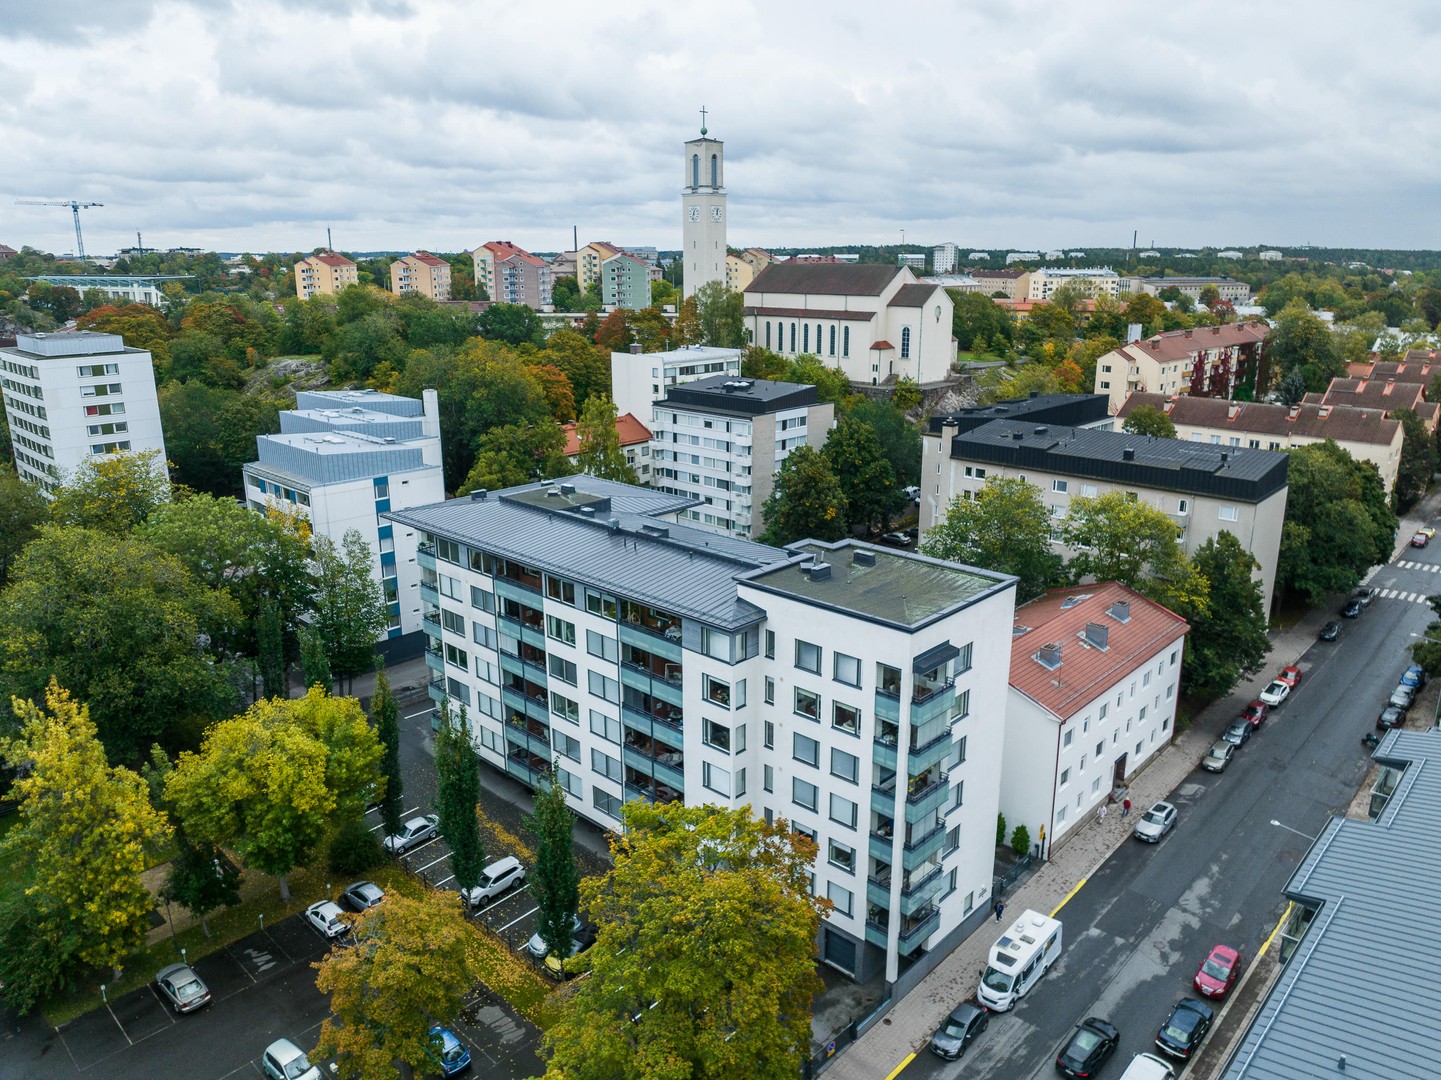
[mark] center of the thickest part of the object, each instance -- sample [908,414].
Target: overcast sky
[426,124]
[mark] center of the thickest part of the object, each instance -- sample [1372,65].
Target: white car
[283,1060]
[537,947]
[415,831]
[1276,694]
[1156,822]
[499,877]
[325,916]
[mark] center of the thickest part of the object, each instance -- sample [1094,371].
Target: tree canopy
[1149,420]
[861,468]
[807,500]
[600,451]
[1228,640]
[1006,528]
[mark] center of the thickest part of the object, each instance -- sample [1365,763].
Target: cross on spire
[702,120]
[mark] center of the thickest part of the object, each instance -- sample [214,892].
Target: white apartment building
[1228,289]
[854,691]
[342,459]
[1086,281]
[916,260]
[944,259]
[640,379]
[73,396]
[720,441]
[1095,671]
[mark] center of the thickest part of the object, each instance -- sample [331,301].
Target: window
[600,645]
[450,587]
[808,657]
[452,622]
[888,679]
[803,793]
[606,765]
[456,657]
[844,765]
[833,341]
[560,629]
[603,687]
[1060,486]
[566,745]
[1066,739]
[808,704]
[606,803]
[599,603]
[479,598]
[1088,490]
[840,897]
[563,669]
[716,779]
[843,811]
[1227,513]
[768,734]
[770,644]
[847,669]
[959,756]
[560,589]
[963,706]
[953,839]
[841,856]
[768,778]
[717,692]
[806,750]
[845,718]
[570,782]
[740,782]
[564,708]
[717,735]
[1065,777]
[605,726]
[770,689]
[1100,747]
[905,342]
[1182,506]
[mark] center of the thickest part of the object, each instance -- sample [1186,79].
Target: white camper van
[1018,959]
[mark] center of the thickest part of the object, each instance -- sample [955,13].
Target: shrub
[1000,829]
[354,849]
[1021,840]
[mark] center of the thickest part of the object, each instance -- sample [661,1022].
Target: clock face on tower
[695,213]
[716,213]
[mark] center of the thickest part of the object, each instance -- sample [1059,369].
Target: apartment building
[1365,434]
[1094,680]
[1387,394]
[577,621]
[1005,283]
[344,458]
[421,273]
[588,261]
[739,272]
[1088,282]
[325,272]
[1209,361]
[512,275]
[73,396]
[625,282]
[634,444]
[638,380]
[945,258]
[915,260]
[1204,488]
[721,441]
[1229,290]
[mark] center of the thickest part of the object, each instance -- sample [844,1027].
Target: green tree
[201,880]
[210,434]
[1118,538]
[861,468]
[900,438]
[270,649]
[1149,420]
[1300,341]
[1006,528]
[565,294]
[514,454]
[114,493]
[600,450]
[1426,651]
[687,329]
[706,928]
[1228,640]
[555,880]
[1418,459]
[514,324]
[976,317]
[1022,382]
[907,394]
[761,363]
[142,327]
[807,501]
[650,329]
[384,713]
[584,363]
[1292,387]
[350,611]
[721,315]
[415,959]
[457,795]
[22,511]
[314,664]
[86,833]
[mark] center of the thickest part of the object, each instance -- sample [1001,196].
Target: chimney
[1097,635]
[1155,344]
[1050,655]
[1233,411]
[567,489]
[1128,454]
[635,348]
[1188,333]
[1224,457]
[1120,610]
[1018,435]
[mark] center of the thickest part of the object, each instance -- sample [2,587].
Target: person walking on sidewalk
[1000,909]
[1101,814]
[1125,807]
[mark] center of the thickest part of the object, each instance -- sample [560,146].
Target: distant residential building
[1229,254]
[1054,256]
[634,443]
[341,460]
[563,265]
[979,255]
[1094,682]
[1022,256]
[74,396]
[639,379]
[877,324]
[1086,281]
[744,429]
[758,258]
[512,275]
[1269,256]
[1021,309]
[7,252]
[1366,434]
[644,254]
[131,288]
[915,260]
[324,273]
[944,259]
[1380,393]
[421,273]
[625,282]
[1075,254]
[1209,361]
[1006,282]
[739,273]
[1229,290]
[588,261]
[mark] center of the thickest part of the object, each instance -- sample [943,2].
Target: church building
[703,212]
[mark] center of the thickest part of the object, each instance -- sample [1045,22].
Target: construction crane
[75,207]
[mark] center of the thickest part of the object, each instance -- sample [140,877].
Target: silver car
[362,896]
[414,832]
[1156,822]
[180,986]
[1219,756]
[537,947]
[283,1060]
[499,877]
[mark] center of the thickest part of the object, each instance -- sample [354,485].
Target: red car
[1219,972]
[1291,676]
[1255,713]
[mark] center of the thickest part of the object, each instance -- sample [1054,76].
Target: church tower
[703,212]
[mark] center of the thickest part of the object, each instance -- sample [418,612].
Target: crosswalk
[1397,594]
[1430,567]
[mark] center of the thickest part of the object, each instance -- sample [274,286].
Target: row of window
[805,338]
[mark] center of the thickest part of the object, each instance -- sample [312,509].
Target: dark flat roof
[730,394]
[1075,410]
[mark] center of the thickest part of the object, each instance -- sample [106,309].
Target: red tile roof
[330,258]
[502,250]
[1344,423]
[429,259]
[1086,671]
[631,431]
[1179,344]
[1375,393]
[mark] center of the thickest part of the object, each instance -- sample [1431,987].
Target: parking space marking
[119,1024]
[423,712]
[428,865]
[422,847]
[512,922]
[500,900]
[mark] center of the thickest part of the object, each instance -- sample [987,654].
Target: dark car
[1184,1029]
[960,1029]
[1353,609]
[1331,631]
[1367,594]
[1391,717]
[1238,732]
[1092,1043]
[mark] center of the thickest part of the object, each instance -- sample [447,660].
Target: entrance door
[1118,774]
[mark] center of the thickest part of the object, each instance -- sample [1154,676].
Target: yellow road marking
[1070,894]
[1286,915]
[898,1069]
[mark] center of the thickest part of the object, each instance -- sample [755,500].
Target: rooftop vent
[1017,630]
[1128,454]
[478,495]
[1041,431]
[1120,610]
[819,571]
[614,524]
[552,492]
[864,558]
[1096,635]
[1324,412]
[1050,655]
[658,531]
[587,511]
[1225,457]
[1072,601]
[635,348]
[567,489]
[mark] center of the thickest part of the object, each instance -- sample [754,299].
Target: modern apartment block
[625,282]
[512,275]
[421,273]
[853,691]
[588,262]
[1228,289]
[720,441]
[640,379]
[344,458]
[325,272]
[73,396]
[944,259]
[1208,361]
[1089,282]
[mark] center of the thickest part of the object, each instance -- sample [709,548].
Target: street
[1143,921]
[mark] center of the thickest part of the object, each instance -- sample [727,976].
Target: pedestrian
[1000,909]
[1125,807]
[1101,813]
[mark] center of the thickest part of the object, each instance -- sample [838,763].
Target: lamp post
[1288,828]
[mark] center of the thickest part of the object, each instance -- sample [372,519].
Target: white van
[1018,959]
[1148,1067]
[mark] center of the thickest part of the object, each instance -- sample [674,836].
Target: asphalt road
[1143,921]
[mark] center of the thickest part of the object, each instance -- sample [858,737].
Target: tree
[270,649]
[565,294]
[1149,420]
[1118,538]
[686,330]
[457,794]
[22,511]
[583,362]
[1292,387]
[600,450]
[142,327]
[559,395]
[121,625]
[314,665]
[907,395]
[512,454]
[807,501]
[860,467]
[413,963]
[555,881]
[514,324]
[86,831]
[1427,651]
[650,329]
[201,880]
[113,493]
[1006,528]
[976,317]
[210,434]
[900,439]
[1418,459]
[350,610]
[720,313]
[384,713]
[1228,640]
[1300,341]
[1024,381]
[706,929]
[614,334]
[831,383]
[270,781]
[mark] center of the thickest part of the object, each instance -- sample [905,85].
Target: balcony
[530,734]
[659,763]
[925,843]
[923,785]
[922,889]
[916,928]
[938,704]
[429,594]
[432,620]
[888,706]
[652,621]
[425,557]
[433,660]
[639,786]
[928,686]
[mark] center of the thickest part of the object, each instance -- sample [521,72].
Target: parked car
[1366,594]
[579,960]
[959,1030]
[325,917]
[180,986]
[1422,537]
[1352,609]
[1276,694]
[1148,1067]
[499,877]
[1219,756]
[1219,971]
[452,1054]
[1331,631]
[1256,713]
[283,1060]
[1290,675]
[1155,822]
[362,896]
[1402,697]
[414,832]
[1184,1029]
[537,947]
[1415,675]
[1091,1044]
[898,539]
[1391,717]
[1238,733]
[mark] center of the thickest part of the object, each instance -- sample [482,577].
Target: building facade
[588,261]
[1005,283]
[739,273]
[1088,282]
[720,441]
[344,458]
[634,440]
[640,379]
[421,273]
[325,272]
[1209,361]
[659,662]
[74,396]
[1229,290]
[512,275]
[625,282]
[944,259]
[703,214]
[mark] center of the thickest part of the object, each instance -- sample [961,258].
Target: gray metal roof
[687,571]
[1366,978]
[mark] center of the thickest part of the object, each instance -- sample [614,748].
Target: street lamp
[1288,828]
